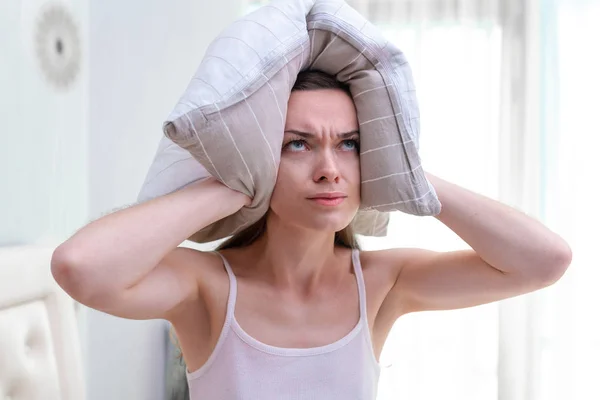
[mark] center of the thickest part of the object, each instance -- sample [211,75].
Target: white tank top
[243,368]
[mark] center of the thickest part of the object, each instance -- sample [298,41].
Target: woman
[312,313]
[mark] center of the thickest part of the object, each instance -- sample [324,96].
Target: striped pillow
[232,114]
[174,168]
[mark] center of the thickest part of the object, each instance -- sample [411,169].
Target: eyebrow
[307,135]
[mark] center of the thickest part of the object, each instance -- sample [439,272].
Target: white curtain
[565,328]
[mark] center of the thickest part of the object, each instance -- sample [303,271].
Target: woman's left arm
[511,254]
[504,237]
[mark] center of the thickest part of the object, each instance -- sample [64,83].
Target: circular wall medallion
[57,46]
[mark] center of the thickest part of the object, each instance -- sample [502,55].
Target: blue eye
[350,144]
[296,145]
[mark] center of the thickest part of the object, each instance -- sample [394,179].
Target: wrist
[224,194]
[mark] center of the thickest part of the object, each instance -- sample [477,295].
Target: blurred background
[84,89]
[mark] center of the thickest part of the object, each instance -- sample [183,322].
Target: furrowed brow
[308,135]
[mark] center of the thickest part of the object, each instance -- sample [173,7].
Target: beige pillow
[231,116]
[174,168]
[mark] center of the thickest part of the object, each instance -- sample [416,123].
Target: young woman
[290,308]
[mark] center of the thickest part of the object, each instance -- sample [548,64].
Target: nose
[327,168]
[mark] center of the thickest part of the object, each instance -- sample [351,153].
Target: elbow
[557,264]
[69,273]
[62,266]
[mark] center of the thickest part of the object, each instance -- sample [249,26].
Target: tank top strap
[232,288]
[362,292]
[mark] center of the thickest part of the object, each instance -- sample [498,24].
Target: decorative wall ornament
[57,45]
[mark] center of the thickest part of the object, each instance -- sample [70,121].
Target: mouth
[328,199]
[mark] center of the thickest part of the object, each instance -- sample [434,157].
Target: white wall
[43,188]
[142,56]
[70,156]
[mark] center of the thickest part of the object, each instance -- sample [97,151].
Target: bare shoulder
[197,261]
[386,264]
[382,269]
[204,266]
[389,263]
[206,271]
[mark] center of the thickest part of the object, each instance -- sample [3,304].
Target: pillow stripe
[236,148]
[275,165]
[390,176]
[203,148]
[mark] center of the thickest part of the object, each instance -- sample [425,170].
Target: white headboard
[40,355]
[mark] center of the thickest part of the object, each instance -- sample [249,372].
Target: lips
[329,198]
[334,201]
[328,195]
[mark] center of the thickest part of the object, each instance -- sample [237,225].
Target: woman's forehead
[315,111]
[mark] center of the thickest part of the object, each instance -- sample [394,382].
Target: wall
[143,54]
[43,185]
[69,155]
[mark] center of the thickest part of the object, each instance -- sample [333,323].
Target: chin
[320,222]
[317,219]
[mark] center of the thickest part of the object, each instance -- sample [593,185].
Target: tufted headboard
[40,355]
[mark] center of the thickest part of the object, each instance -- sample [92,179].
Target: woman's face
[318,184]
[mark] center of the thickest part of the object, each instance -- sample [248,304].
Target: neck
[295,259]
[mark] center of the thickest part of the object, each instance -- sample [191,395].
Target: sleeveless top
[243,368]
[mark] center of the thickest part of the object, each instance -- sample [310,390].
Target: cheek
[352,169]
[289,180]
[289,172]
[287,193]
[353,179]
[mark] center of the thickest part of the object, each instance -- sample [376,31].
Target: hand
[211,182]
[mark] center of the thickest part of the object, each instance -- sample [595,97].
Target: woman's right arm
[128,264]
